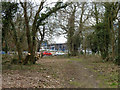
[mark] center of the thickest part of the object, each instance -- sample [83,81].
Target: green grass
[76,59]
[75,83]
[105,71]
[114,84]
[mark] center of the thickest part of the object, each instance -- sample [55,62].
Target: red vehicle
[47,54]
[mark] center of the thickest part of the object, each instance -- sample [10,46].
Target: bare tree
[37,21]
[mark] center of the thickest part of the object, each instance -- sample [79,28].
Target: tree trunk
[39,45]
[27,27]
[71,31]
[19,52]
[119,49]
[6,46]
[119,42]
[33,50]
[42,38]
[107,38]
[96,13]
[29,41]
[112,39]
[15,37]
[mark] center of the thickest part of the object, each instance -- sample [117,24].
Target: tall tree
[8,11]
[119,39]
[36,23]
[104,30]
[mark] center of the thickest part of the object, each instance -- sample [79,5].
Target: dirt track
[51,73]
[72,73]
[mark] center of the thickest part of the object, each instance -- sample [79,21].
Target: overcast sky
[60,39]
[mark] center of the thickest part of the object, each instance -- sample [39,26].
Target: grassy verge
[107,72]
[22,67]
[76,59]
